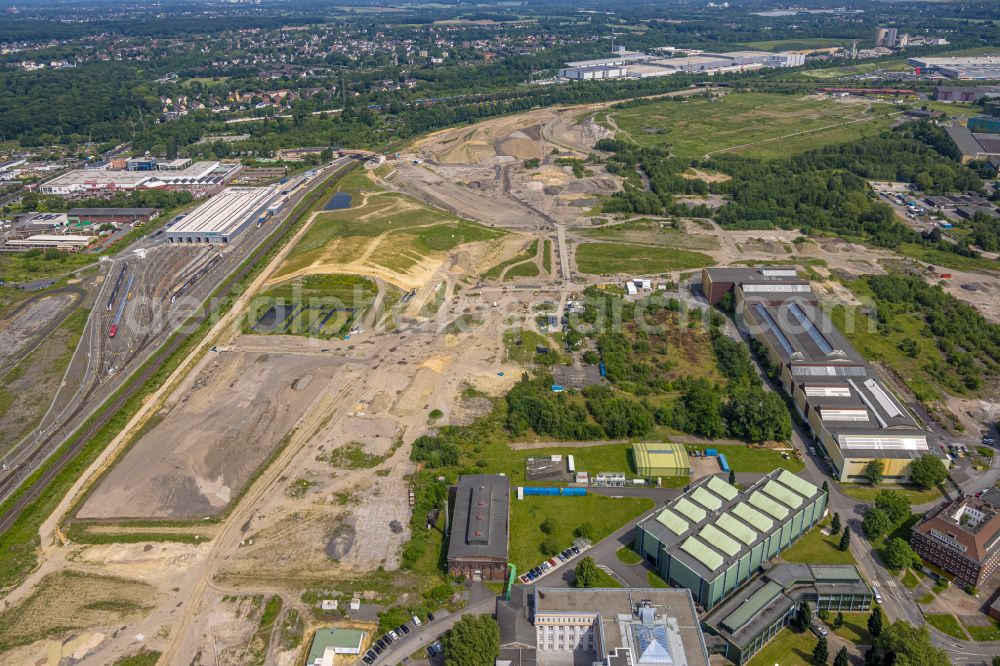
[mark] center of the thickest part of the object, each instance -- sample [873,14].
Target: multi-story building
[854,417]
[480,527]
[962,537]
[714,538]
[617,627]
[756,613]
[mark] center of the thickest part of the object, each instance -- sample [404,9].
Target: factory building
[756,613]
[617,627]
[593,72]
[223,217]
[962,537]
[978,68]
[973,145]
[480,527]
[111,215]
[64,242]
[714,538]
[97,181]
[854,417]
[968,94]
[660,459]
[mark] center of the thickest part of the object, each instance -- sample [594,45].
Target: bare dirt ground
[218,429]
[18,332]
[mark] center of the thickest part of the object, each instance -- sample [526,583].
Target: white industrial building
[224,216]
[634,65]
[592,72]
[198,174]
[974,68]
[65,242]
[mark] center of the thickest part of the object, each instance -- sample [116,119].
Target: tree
[838,621]
[826,487]
[842,658]
[586,573]
[899,555]
[821,652]
[874,470]
[584,531]
[996,660]
[845,539]
[895,505]
[757,415]
[928,471]
[732,477]
[875,523]
[835,524]
[875,622]
[902,643]
[548,526]
[473,641]
[803,617]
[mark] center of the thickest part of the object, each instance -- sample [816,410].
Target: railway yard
[276,462]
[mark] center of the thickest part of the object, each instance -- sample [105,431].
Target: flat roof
[121,212]
[225,212]
[333,637]
[660,454]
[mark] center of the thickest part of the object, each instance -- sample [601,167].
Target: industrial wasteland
[499,333]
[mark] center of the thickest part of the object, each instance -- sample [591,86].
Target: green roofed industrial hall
[714,538]
[660,459]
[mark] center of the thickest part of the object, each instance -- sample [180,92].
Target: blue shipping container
[723,463]
[541,491]
[556,388]
[711,452]
[574,492]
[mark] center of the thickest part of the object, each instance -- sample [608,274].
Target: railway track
[104,415]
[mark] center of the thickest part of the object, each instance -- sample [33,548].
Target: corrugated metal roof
[768,505]
[736,528]
[702,553]
[706,499]
[721,488]
[711,534]
[692,511]
[760,522]
[660,455]
[797,483]
[672,522]
[783,494]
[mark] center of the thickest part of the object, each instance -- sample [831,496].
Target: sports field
[754,124]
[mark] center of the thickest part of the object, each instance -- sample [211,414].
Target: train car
[118,284]
[114,330]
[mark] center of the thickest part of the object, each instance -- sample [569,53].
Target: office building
[756,613]
[714,538]
[480,527]
[962,537]
[616,627]
[853,415]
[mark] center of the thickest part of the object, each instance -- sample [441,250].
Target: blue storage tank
[574,492]
[604,371]
[711,452]
[723,463]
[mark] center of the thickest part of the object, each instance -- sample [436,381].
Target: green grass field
[753,124]
[787,648]
[745,459]
[817,548]
[627,556]
[611,258]
[910,579]
[855,628]
[946,623]
[797,44]
[593,459]
[649,232]
[567,513]
[987,632]
[528,252]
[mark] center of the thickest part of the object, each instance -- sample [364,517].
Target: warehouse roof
[225,212]
[482,508]
[105,212]
[734,522]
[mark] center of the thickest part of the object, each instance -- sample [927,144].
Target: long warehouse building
[224,216]
[854,417]
[714,538]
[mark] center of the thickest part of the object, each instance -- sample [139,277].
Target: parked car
[380,644]
[819,629]
[434,649]
[877,595]
[403,629]
[367,659]
[393,635]
[416,621]
[430,617]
